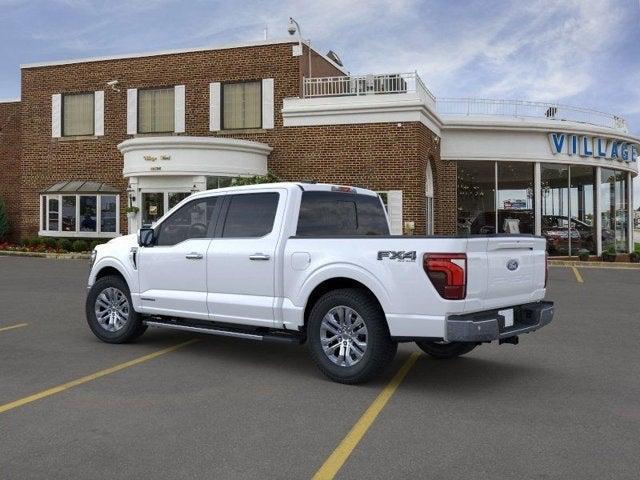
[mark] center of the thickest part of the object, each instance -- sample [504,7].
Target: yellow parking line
[94,376]
[332,465]
[577,274]
[19,325]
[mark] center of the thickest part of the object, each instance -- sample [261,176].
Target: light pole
[292,29]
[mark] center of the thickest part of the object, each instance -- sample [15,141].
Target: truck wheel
[444,350]
[348,336]
[109,312]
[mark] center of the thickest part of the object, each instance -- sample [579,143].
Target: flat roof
[176,52]
[9,100]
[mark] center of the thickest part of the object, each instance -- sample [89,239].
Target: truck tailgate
[504,271]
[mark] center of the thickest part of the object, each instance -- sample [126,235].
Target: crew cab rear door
[241,260]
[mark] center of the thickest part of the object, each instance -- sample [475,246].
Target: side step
[226,331]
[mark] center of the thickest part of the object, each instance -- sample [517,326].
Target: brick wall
[9,160]
[377,156]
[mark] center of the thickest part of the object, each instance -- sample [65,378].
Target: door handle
[259,256]
[193,256]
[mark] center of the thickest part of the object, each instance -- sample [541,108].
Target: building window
[218,182]
[515,198]
[156,110]
[78,114]
[582,195]
[476,197]
[78,215]
[614,211]
[241,105]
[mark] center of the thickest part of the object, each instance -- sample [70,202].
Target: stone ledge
[56,256]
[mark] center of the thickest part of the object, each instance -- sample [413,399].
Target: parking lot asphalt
[565,403]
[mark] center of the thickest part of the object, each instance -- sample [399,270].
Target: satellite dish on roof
[334,56]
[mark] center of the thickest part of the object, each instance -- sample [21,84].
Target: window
[174,198]
[156,110]
[250,215]
[79,215]
[476,197]
[78,114]
[335,214]
[242,105]
[69,213]
[515,198]
[218,182]
[614,211]
[152,207]
[108,213]
[193,220]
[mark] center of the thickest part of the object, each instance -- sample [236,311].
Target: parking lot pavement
[562,404]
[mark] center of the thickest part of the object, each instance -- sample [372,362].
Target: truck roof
[326,187]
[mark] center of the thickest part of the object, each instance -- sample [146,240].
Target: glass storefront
[481,211]
[500,197]
[614,211]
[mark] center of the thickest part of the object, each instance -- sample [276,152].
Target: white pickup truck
[295,262]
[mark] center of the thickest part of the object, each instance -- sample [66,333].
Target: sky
[577,52]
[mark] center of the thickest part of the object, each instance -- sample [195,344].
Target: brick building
[90,137]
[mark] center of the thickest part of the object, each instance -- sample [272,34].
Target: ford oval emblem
[512,264]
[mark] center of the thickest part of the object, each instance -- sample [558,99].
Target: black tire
[380,349]
[444,351]
[132,329]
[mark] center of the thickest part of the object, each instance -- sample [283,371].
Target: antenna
[266,32]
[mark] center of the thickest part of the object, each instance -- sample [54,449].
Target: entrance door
[152,207]
[173,272]
[241,264]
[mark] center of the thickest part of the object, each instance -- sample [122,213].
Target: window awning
[81,186]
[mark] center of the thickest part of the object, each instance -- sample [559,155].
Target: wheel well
[110,271]
[335,284]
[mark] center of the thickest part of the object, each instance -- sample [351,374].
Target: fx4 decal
[400,256]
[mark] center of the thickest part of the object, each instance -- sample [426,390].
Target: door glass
[515,197]
[152,207]
[250,215]
[193,220]
[176,197]
[555,207]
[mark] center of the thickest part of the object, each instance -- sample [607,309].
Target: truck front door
[172,273]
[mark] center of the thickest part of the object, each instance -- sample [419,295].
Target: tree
[4,221]
[268,178]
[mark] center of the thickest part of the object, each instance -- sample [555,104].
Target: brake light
[448,273]
[546,269]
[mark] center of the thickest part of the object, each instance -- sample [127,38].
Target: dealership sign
[597,147]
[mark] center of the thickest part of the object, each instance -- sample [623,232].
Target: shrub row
[60,244]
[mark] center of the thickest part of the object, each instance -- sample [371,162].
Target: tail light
[448,273]
[546,269]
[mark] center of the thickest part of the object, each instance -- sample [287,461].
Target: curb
[55,256]
[603,265]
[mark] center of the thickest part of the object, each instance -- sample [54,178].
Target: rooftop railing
[356,85]
[526,109]
[399,83]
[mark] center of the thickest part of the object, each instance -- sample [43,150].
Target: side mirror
[146,237]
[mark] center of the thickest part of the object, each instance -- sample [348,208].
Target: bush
[26,242]
[80,246]
[256,179]
[4,221]
[583,254]
[65,244]
[49,242]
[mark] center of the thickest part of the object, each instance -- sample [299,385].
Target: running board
[286,338]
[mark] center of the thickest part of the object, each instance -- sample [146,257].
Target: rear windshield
[325,214]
